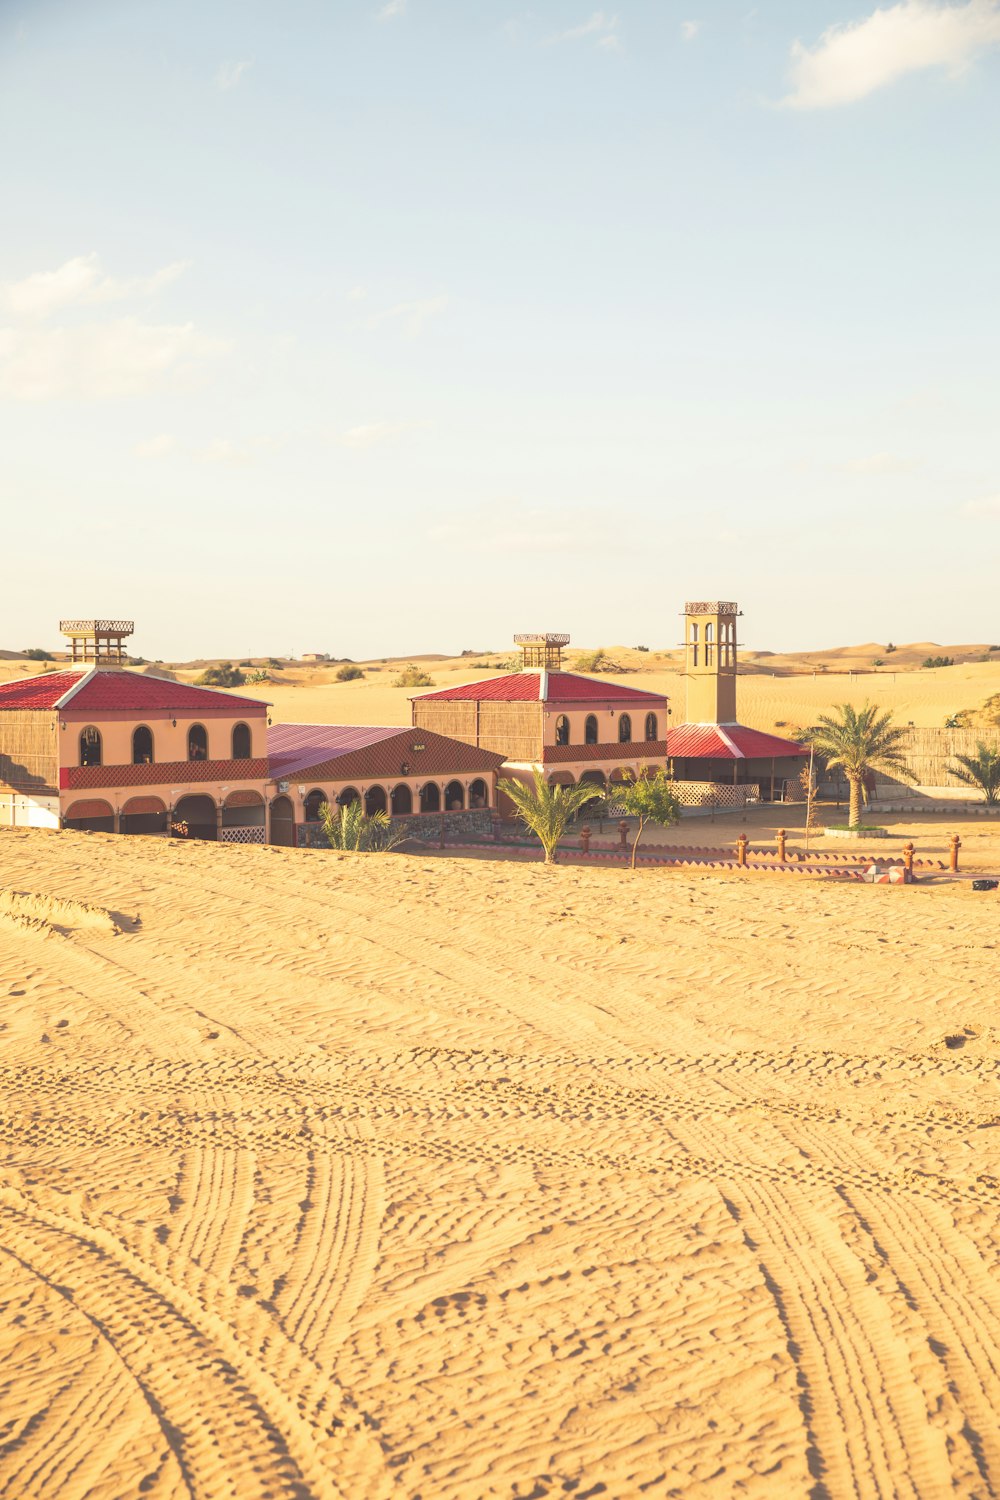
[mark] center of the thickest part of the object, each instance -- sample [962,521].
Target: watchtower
[98,643]
[541,652]
[710,661]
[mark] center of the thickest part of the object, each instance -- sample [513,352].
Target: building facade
[574,728]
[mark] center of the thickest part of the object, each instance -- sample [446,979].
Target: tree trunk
[854,817]
[638,836]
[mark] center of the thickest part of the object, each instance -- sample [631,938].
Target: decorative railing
[712,607]
[97,627]
[715,793]
[242,836]
[162,773]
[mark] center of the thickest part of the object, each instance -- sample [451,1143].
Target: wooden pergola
[97,641]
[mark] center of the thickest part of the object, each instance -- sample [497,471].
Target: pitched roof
[728,742]
[337,752]
[546,687]
[95,691]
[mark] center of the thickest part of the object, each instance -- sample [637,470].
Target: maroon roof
[99,691]
[728,742]
[291,747]
[527,687]
[340,752]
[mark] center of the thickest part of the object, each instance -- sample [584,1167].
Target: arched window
[347,796]
[479,794]
[313,803]
[430,797]
[90,747]
[694,645]
[708,645]
[454,796]
[402,801]
[241,742]
[651,727]
[142,746]
[562,730]
[590,730]
[625,729]
[375,800]
[197,742]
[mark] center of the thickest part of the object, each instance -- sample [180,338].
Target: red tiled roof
[162,773]
[525,687]
[37,692]
[633,750]
[97,691]
[376,754]
[728,742]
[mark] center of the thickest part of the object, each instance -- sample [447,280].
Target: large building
[99,748]
[102,748]
[712,746]
[407,773]
[575,728]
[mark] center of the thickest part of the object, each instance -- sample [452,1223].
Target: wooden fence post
[956,844]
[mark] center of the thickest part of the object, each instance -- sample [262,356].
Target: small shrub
[640,648]
[37,654]
[258,676]
[275,664]
[890,647]
[413,677]
[351,829]
[225,675]
[592,661]
[348,674]
[938,661]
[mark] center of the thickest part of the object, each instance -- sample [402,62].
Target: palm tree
[860,741]
[351,828]
[547,809]
[981,770]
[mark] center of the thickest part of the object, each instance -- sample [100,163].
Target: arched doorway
[142,745]
[93,815]
[243,818]
[454,797]
[561,778]
[402,801]
[479,793]
[144,815]
[596,808]
[430,797]
[241,742]
[347,796]
[375,800]
[195,818]
[313,803]
[197,742]
[283,823]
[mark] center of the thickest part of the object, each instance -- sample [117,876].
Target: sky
[387,326]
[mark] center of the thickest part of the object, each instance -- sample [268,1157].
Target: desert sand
[372,1177]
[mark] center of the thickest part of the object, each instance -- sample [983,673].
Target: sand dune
[327,1176]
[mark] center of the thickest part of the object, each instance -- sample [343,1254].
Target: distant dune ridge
[776,691]
[332,1176]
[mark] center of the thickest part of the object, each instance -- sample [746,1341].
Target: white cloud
[598,25]
[156,447]
[853,59]
[881,463]
[81,281]
[98,360]
[230,73]
[689,30]
[989,505]
[393,8]
[370,435]
[413,316]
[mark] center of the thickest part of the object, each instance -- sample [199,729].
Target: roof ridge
[71,693]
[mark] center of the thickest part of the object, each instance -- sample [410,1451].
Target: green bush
[413,677]
[37,654]
[349,674]
[938,661]
[225,675]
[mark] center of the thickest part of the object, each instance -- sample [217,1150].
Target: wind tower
[97,643]
[541,653]
[710,661]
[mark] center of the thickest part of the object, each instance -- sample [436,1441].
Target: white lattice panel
[243,836]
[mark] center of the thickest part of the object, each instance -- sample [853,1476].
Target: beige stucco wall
[608,720]
[169,739]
